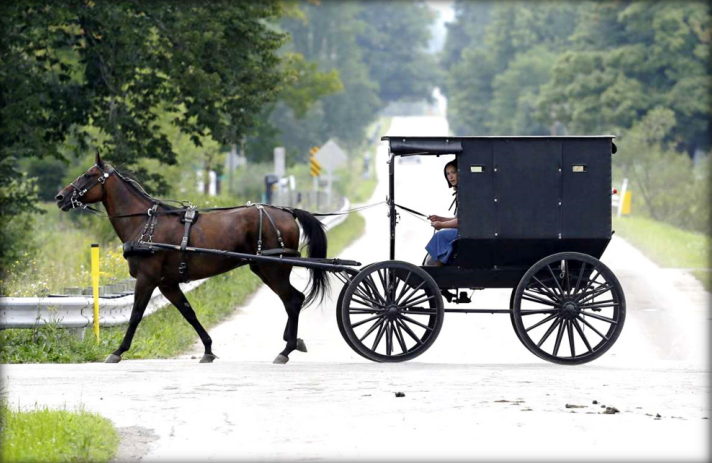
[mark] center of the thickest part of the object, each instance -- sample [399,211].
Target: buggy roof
[410,145]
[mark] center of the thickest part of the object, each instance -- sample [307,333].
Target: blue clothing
[440,245]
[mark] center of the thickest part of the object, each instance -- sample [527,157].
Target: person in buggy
[440,246]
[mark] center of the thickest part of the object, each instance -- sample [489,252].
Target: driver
[441,244]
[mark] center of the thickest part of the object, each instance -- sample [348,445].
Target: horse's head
[83,190]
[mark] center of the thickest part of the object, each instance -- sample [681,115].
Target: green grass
[164,334]
[668,246]
[44,435]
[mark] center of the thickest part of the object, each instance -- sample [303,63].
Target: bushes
[666,186]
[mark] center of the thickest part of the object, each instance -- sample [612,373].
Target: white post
[315,203]
[624,187]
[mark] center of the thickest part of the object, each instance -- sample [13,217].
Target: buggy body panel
[521,199]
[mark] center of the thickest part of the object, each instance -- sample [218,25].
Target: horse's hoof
[281,359]
[208,358]
[301,347]
[113,358]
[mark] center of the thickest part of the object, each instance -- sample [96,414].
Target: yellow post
[626,203]
[95,286]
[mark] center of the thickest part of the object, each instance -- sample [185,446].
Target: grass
[44,435]
[164,334]
[668,246]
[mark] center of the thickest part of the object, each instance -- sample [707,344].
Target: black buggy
[534,215]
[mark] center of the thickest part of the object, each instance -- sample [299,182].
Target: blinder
[79,192]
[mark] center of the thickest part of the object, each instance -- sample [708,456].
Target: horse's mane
[131,181]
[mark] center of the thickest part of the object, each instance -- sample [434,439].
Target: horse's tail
[315,238]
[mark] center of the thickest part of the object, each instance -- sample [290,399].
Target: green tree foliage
[630,57]
[394,46]
[498,58]
[81,74]
[661,176]
[71,64]
[378,52]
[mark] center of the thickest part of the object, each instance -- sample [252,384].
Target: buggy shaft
[335,265]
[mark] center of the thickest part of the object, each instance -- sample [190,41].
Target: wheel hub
[392,312]
[569,310]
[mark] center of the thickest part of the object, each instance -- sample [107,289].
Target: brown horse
[129,208]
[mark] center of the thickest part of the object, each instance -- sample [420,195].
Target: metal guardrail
[78,311]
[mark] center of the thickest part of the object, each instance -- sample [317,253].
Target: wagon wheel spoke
[559,334]
[597,292]
[372,328]
[546,290]
[373,290]
[570,331]
[541,322]
[420,300]
[591,281]
[558,286]
[379,335]
[359,323]
[362,310]
[420,311]
[580,277]
[411,294]
[410,332]
[404,317]
[539,311]
[404,287]
[531,297]
[383,276]
[578,317]
[389,338]
[399,336]
[602,318]
[363,299]
[583,336]
[600,305]
[548,332]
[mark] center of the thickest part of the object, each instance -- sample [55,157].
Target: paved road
[477,394]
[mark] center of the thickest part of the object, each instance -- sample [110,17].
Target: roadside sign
[314,165]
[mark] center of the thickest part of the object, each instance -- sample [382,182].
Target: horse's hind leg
[174,294]
[142,296]
[277,278]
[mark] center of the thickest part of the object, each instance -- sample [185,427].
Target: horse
[134,212]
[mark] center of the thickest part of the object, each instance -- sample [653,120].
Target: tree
[81,74]
[493,88]
[394,45]
[72,64]
[629,57]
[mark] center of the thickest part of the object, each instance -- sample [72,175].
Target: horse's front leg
[142,295]
[174,294]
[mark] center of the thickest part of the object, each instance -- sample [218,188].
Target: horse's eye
[86,175]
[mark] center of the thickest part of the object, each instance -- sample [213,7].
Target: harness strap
[183,267]
[259,233]
[279,234]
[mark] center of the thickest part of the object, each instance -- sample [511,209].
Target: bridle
[79,192]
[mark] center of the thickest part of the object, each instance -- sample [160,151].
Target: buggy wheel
[340,322]
[569,308]
[391,312]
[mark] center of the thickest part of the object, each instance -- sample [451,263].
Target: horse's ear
[97,159]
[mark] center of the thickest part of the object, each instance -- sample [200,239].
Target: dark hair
[451,163]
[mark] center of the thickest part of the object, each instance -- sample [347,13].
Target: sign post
[95,286]
[314,170]
[332,156]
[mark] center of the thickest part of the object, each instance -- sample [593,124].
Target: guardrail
[77,311]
